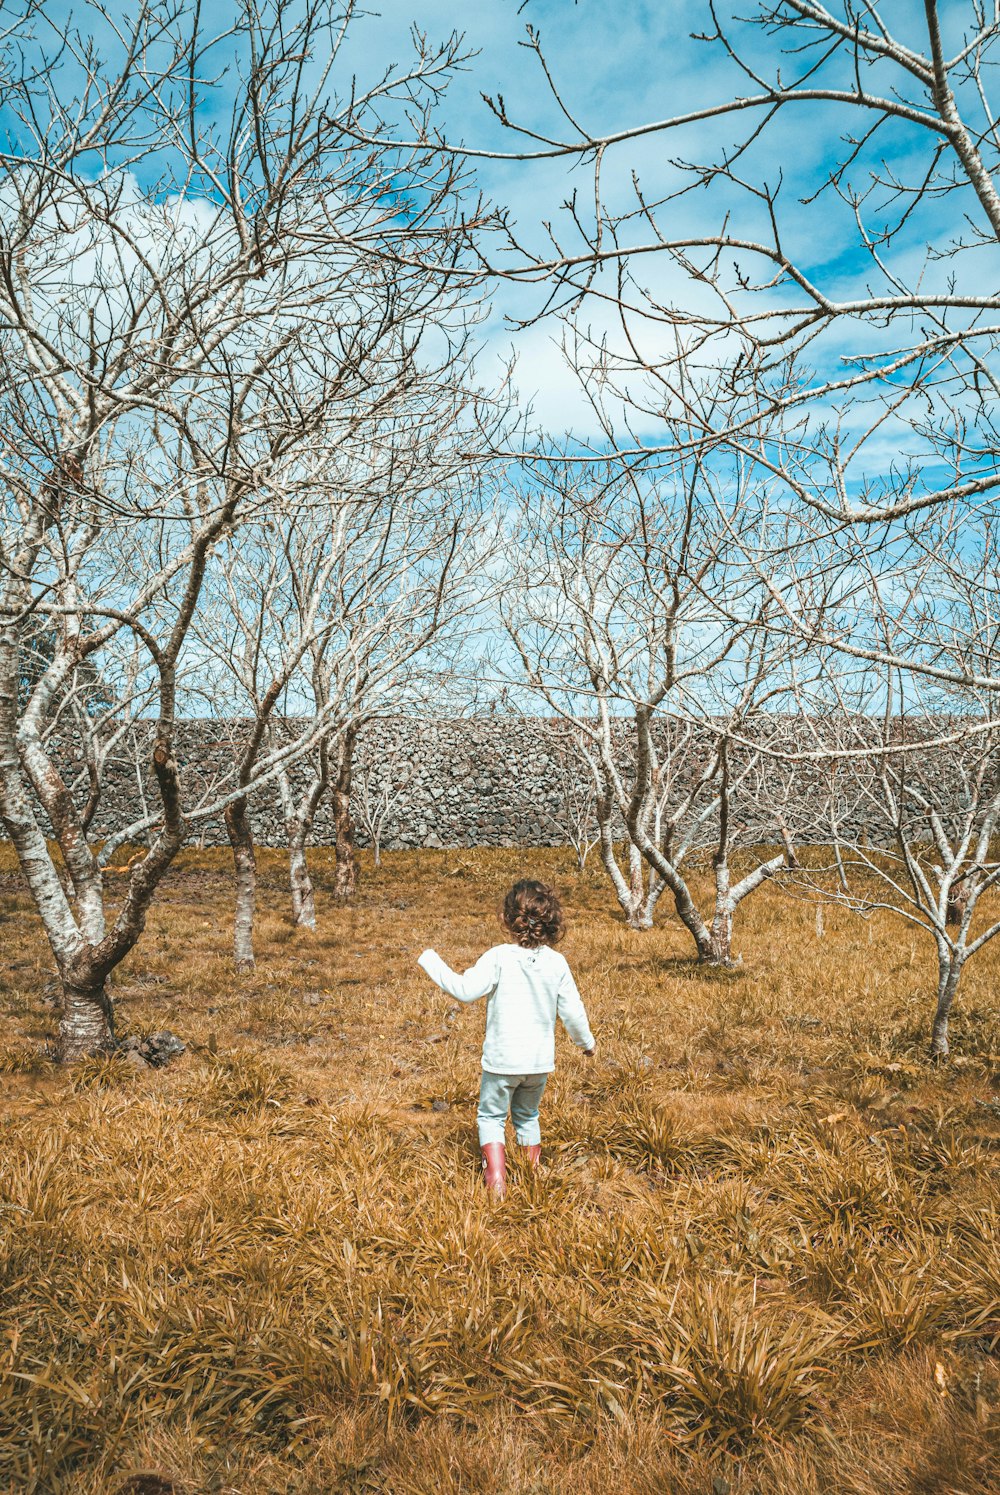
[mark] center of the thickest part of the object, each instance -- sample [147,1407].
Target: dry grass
[764,1255]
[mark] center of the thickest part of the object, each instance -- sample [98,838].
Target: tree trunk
[299,820]
[719,950]
[621,887]
[791,859]
[841,874]
[949,975]
[689,916]
[346,875]
[643,893]
[245,863]
[653,893]
[631,895]
[345,880]
[87,1024]
[958,902]
[635,881]
[303,897]
[86,955]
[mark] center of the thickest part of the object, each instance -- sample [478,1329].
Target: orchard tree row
[253,467]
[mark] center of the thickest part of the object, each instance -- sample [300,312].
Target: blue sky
[601,42]
[619,64]
[615,63]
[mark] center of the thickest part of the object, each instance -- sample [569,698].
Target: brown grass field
[763,1254]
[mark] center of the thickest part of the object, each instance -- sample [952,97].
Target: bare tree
[925,854]
[259,638]
[167,351]
[611,609]
[383,773]
[861,381]
[414,540]
[326,606]
[576,815]
[911,761]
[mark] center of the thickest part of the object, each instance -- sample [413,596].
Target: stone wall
[489,781]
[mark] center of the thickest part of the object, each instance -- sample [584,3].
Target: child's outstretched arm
[474,983]
[570,1009]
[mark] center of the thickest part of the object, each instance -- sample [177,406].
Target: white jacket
[527,991]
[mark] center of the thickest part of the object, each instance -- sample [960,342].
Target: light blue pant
[519,1094]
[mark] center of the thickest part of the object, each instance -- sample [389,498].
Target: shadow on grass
[688,968]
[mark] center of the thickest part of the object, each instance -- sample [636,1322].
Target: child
[528,985]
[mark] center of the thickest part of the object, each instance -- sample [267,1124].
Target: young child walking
[528,985]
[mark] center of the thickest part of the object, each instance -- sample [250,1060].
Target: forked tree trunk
[245,865]
[85,949]
[345,880]
[714,943]
[85,963]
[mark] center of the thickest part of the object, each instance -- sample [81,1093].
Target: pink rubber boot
[495,1167]
[534,1154]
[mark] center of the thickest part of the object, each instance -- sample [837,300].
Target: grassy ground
[763,1256]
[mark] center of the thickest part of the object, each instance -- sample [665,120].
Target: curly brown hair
[533,914]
